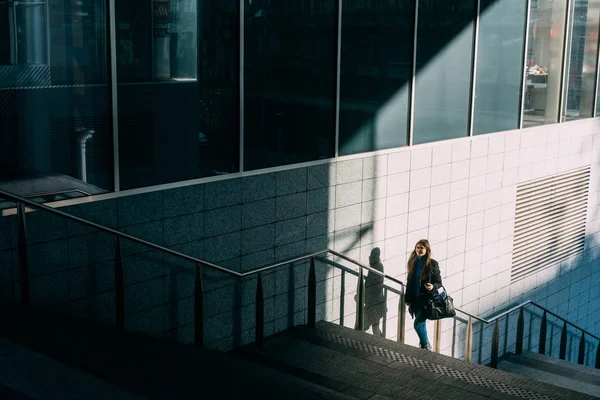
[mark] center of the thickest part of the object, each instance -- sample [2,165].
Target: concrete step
[26,374]
[148,367]
[563,363]
[545,369]
[528,386]
[364,366]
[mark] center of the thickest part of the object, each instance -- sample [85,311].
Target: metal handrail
[478,318]
[515,308]
[43,207]
[312,286]
[391,278]
[94,225]
[355,273]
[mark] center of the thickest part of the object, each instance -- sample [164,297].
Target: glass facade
[544,69]
[375,75]
[207,88]
[499,76]
[178,92]
[56,137]
[582,60]
[290,81]
[443,69]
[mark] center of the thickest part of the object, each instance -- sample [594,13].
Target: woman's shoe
[426,347]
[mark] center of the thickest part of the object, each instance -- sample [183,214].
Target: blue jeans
[420,325]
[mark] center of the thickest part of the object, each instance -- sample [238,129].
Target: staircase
[141,366]
[325,362]
[313,361]
[554,371]
[368,367]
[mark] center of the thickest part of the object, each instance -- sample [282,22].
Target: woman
[375,306]
[422,277]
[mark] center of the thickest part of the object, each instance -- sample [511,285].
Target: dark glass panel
[499,76]
[444,69]
[178,73]
[583,60]
[55,101]
[290,77]
[544,61]
[376,71]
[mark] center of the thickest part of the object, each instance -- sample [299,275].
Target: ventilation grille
[550,221]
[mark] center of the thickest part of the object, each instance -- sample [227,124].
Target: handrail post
[543,334]
[563,342]
[312,294]
[22,249]
[437,335]
[360,306]
[520,332]
[342,292]
[119,287]
[598,356]
[469,341]
[384,319]
[260,312]
[401,318]
[495,343]
[198,308]
[581,357]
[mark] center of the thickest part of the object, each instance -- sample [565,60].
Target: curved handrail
[391,278]
[353,272]
[94,225]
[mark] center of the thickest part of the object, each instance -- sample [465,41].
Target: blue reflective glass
[376,72]
[499,73]
[444,65]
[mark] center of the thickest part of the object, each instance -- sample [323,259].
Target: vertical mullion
[525,53]
[562,99]
[595,99]
[241,83]
[340,4]
[112,45]
[48,47]
[474,66]
[411,127]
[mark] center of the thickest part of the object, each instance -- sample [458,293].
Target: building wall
[460,194]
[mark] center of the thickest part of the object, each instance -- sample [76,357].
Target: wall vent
[550,221]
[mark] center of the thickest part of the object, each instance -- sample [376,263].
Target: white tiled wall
[461,195]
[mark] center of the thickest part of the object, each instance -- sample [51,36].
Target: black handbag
[440,305]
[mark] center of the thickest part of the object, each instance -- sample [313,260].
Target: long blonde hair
[410,265]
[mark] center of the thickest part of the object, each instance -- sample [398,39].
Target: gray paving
[329,362]
[563,363]
[151,368]
[26,374]
[384,368]
[545,369]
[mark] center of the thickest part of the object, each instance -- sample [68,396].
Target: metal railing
[23,264]
[521,331]
[311,302]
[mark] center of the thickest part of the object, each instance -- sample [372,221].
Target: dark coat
[429,275]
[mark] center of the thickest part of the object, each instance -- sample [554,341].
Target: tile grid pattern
[432,367]
[458,193]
